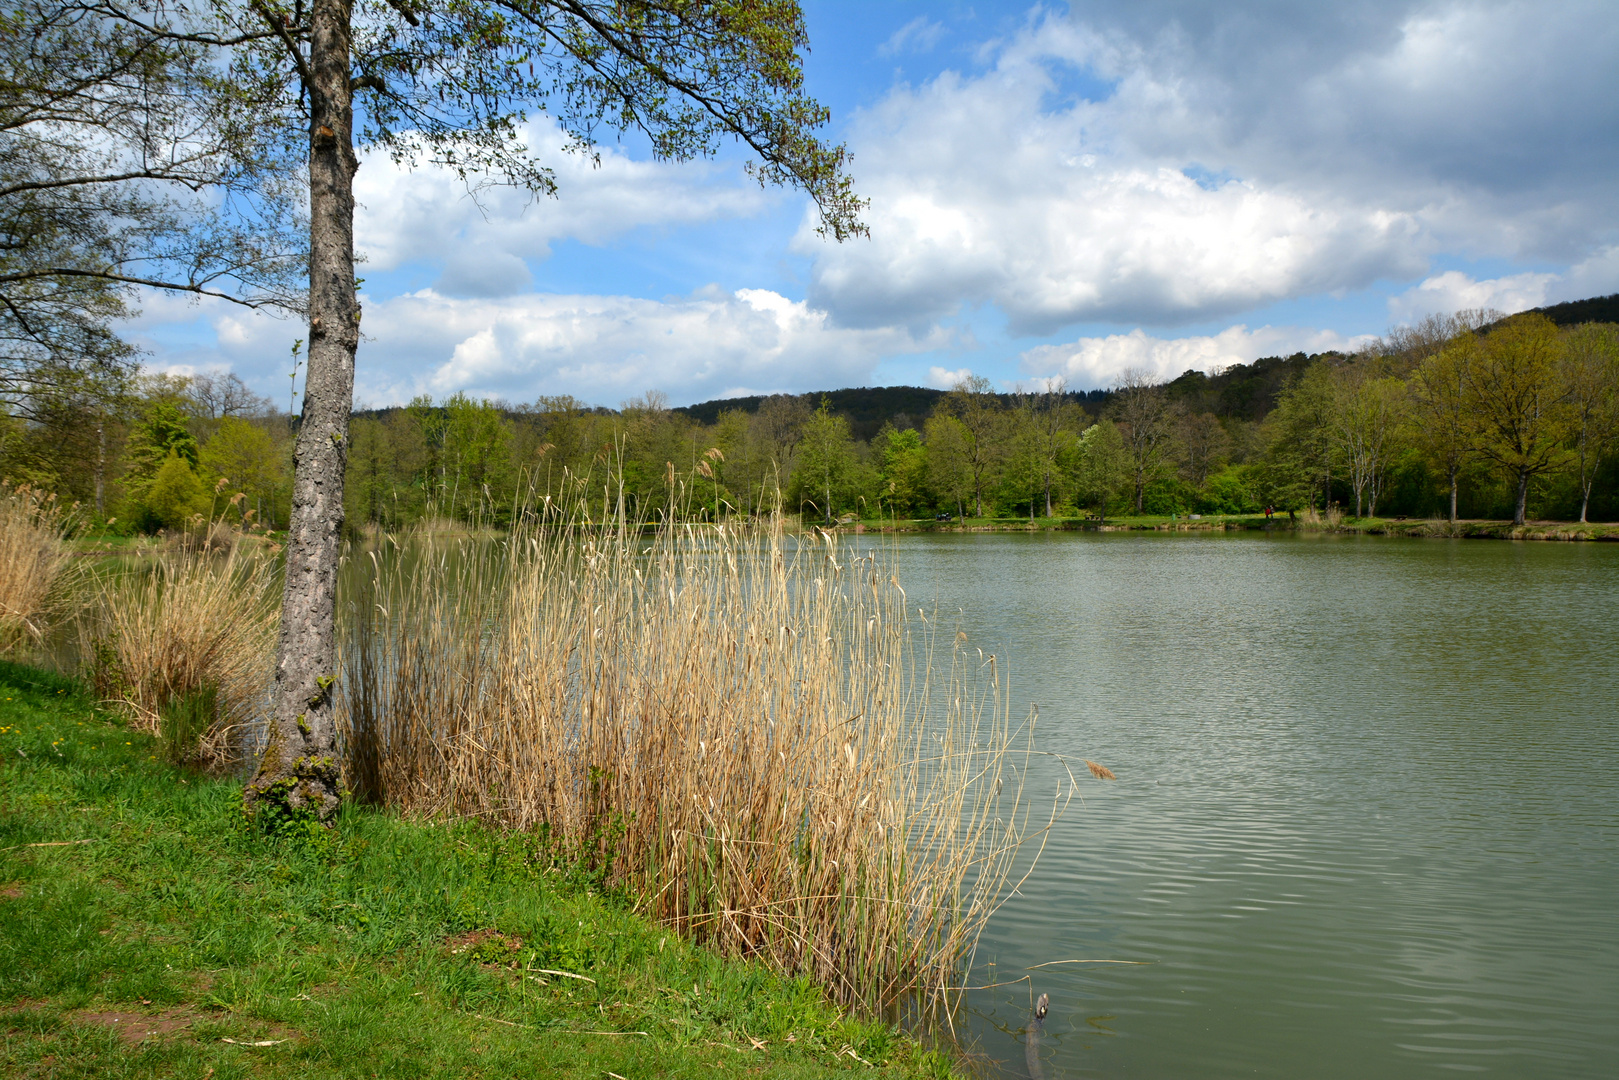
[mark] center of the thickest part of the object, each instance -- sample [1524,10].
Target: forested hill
[1244,391]
[1241,391]
[1601,309]
[867,408]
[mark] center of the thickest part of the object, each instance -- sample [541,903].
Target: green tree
[1204,447]
[1146,419]
[902,463]
[1052,426]
[949,461]
[1444,426]
[826,475]
[974,403]
[175,495]
[163,431]
[451,80]
[478,456]
[1591,377]
[247,456]
[1368,416]
[1023,473]
[1518,399]
[1102,464]
[1301,451]
[120,168]
[774,435]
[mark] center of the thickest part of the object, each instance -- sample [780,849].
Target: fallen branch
[54,843]
[564,974]
[498,1020]
[1050,963]
[261,1042]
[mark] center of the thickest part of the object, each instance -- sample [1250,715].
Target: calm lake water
[1366,817]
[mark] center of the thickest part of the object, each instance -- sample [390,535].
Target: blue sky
[1056,191]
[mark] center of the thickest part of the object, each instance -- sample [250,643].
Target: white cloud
[1454,290]
[599,348]
[921,34]
[426,214]
[944,379]
[1097,362]
[1194,161]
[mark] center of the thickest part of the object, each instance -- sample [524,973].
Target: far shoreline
[1425,528]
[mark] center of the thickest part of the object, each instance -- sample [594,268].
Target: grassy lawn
[145,931]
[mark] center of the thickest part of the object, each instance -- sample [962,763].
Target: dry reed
[35,563]
[744,723]
[191,622]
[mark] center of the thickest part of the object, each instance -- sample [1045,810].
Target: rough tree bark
[299,773]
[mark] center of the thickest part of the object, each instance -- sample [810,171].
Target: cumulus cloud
[1511,293]
[1174,162]
[1454,291]
[426,213]
[1098,362]
[944,379]
[598,348]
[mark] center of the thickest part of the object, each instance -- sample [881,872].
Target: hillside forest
[1469,416]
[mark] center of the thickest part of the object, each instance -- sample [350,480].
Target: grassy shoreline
[1414,527]
[144,930]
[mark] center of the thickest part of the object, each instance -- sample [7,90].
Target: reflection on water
[1366,812]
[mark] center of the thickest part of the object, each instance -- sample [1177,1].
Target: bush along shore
[146,929]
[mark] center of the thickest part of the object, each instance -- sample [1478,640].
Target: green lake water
[1366,817]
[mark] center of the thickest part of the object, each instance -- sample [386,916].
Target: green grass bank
[145,931]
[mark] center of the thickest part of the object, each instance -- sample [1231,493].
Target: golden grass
[193,621]
[1101,772]
[35,563]
[750,729]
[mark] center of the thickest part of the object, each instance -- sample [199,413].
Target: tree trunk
[1454,470]
[1523,497]
[1048,494]
[101,472]
[1585,485]
[299,773]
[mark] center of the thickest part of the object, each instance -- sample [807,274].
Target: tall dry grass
[180,641]
[753,728]
[36,564]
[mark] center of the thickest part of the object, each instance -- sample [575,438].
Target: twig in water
[1049,963]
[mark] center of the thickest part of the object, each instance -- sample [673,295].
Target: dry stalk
[184,619]
[36,565]
[747,725]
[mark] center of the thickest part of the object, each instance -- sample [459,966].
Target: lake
[1367,803]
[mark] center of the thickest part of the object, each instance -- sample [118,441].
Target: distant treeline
[1490,417]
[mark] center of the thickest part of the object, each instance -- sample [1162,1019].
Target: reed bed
[180,642]
[742,726]
[36,564]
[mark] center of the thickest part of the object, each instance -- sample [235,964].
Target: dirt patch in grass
[133,1027]
[12,891]
[490,947]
